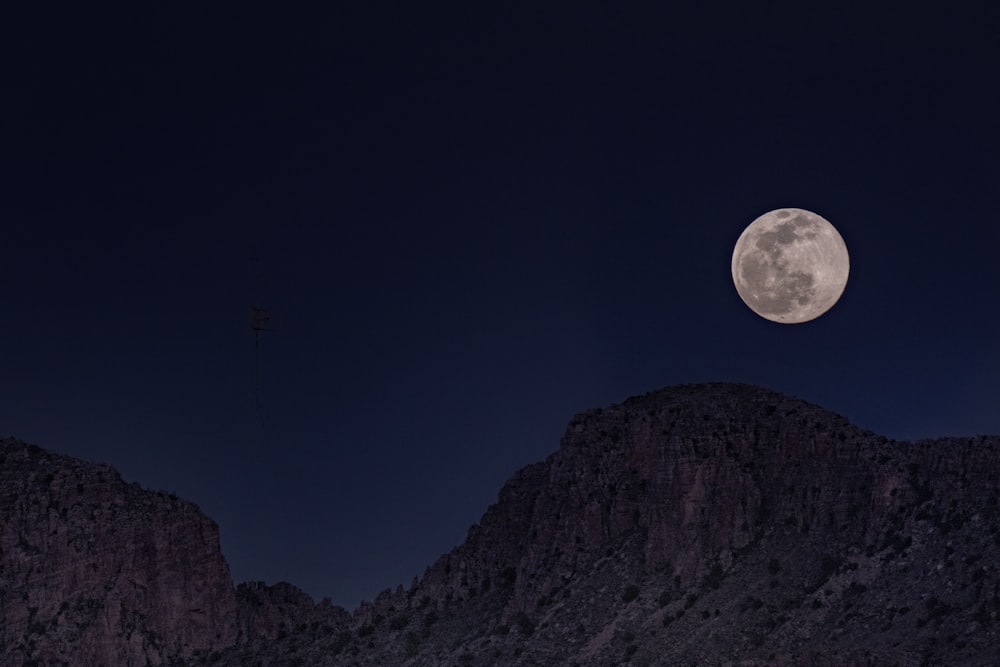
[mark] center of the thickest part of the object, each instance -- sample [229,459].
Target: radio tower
[260,321]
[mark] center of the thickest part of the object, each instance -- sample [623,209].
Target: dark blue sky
[474,222]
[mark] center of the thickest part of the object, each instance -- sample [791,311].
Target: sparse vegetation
[714,578]
[525,625]
[412,644]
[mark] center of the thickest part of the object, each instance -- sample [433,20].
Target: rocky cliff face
[708,524]
[96,571]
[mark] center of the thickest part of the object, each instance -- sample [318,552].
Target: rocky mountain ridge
[704,524]
[97,571]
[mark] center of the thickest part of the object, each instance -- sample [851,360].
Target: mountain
[95,571]
[708,524]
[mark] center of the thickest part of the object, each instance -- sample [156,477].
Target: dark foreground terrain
[714,524]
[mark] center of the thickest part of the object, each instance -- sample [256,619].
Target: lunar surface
[790,265]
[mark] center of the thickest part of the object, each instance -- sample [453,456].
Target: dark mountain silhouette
[709,524]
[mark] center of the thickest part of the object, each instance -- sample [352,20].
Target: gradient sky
[474,221]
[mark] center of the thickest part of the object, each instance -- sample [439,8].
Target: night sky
[474,221]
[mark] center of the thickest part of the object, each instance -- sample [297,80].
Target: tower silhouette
[260,321]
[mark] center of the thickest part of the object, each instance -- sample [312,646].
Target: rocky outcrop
[268,612]
[96,571]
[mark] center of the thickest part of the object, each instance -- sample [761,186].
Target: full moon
[790,265]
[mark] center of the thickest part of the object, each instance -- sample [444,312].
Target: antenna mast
[260,320]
